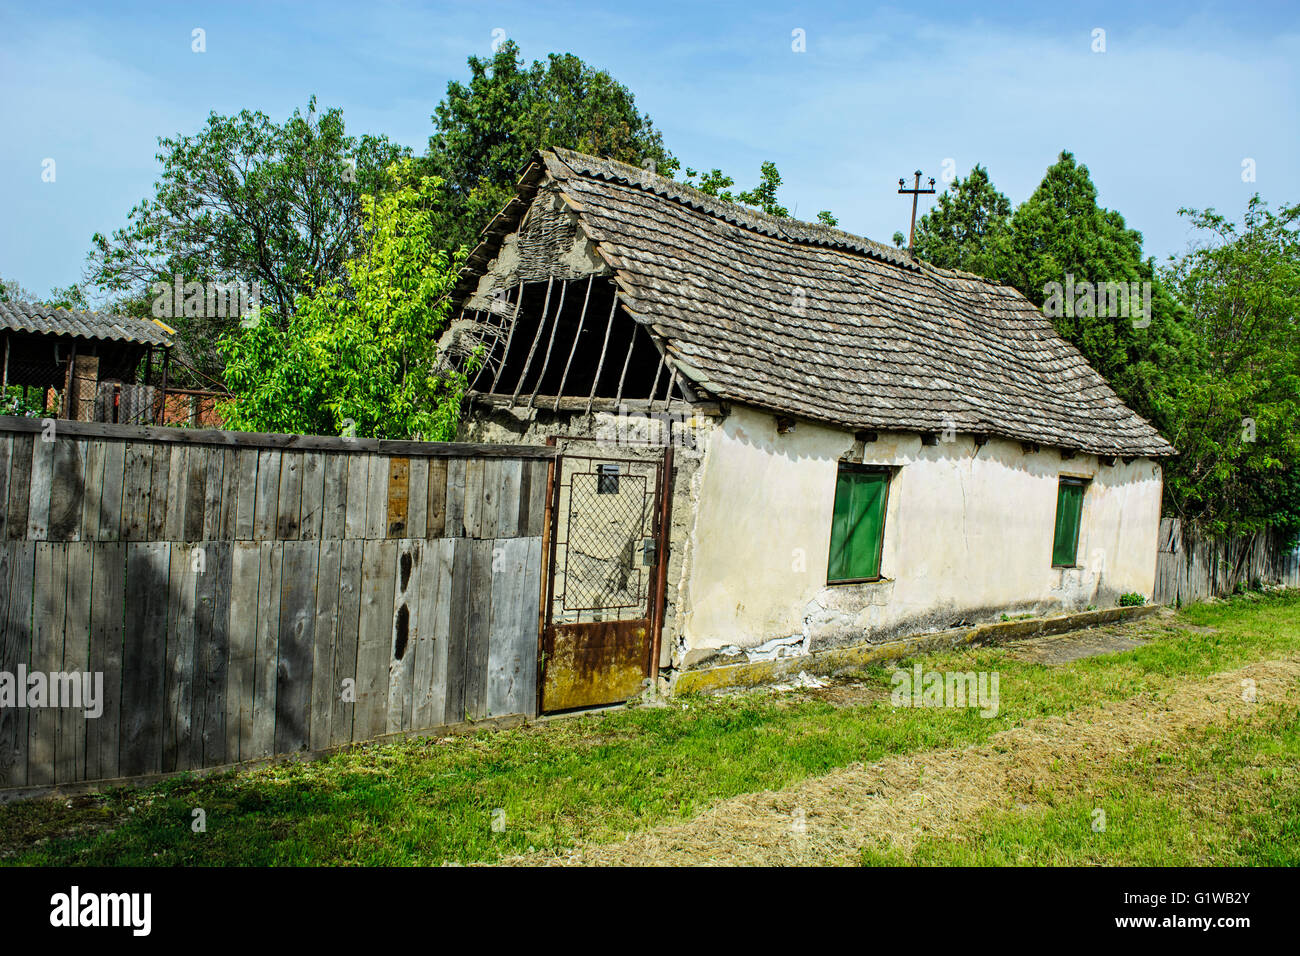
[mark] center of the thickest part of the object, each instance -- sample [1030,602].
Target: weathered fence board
[108,573]
[212,611]
[180,658]
[76,659]
[324,641]
[88,529]
[313,489]
[294,652]
[437,505]
[143,657]
[406,626]
[42,478]
[1191,568]
[15,649]
[6,451]
[266,648]
[245,596]
[20,473]
[47,627]
[343,705]
[430,668]
[245,576]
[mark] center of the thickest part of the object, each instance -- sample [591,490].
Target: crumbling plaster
[549,243]
[625,437]
[968,536]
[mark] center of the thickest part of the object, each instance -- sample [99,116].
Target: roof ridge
[42,306]
[817,326]
[87,323]
[963,274]
[781,227]
[840,238]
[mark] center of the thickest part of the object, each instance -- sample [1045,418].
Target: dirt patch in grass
[849,693]
[38,822]
[839,692]
[897,801]
[1063,648]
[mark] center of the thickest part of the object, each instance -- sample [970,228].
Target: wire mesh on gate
[604,539]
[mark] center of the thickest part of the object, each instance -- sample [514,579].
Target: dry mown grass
[896,801]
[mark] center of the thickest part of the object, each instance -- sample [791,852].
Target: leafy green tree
[968,229]
[763,196]
[713,183]
[71,296]
[486,129]
[360,357]
[1234,409]
[244,199]
[11,290]
[1060,229]
[1059,236]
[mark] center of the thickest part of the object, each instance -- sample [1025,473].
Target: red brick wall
[199,411]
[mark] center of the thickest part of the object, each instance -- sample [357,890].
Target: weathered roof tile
[807,320]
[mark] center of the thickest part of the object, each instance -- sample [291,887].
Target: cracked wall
[968,536]
[601,433]
[548,245]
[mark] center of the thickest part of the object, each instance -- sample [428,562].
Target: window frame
[1082,484]
[887,473]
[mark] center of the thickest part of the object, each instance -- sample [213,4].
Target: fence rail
[242,596]
[1192,568]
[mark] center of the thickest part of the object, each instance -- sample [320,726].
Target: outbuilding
[81,365]
[777,437]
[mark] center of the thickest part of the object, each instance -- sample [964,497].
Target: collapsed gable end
[792,318]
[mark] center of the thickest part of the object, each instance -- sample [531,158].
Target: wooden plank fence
[1191,568]
[250,595]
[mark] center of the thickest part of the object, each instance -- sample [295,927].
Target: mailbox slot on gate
[607,479]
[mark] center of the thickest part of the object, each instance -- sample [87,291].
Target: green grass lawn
[1224,796]
[598,777]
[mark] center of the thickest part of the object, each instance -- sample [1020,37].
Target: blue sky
[1164,118]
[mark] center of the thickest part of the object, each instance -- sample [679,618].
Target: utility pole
[916,191]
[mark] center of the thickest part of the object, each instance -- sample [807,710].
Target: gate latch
[649,548]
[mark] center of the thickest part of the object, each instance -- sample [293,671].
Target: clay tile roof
[806,320]
[44,320]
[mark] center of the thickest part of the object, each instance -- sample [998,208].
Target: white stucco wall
[968,536]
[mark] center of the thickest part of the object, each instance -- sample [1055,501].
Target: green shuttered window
[1069,508]
[858,524]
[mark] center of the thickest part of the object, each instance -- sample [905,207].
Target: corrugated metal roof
[44,320]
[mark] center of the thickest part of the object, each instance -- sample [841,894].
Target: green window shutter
[857,525]
[1069,508]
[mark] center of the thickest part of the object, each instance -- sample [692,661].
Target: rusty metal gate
[602,604]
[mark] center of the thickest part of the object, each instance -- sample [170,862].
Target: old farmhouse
[858,446]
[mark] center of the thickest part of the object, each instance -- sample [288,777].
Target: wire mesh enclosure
[604,539]
[87,388]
